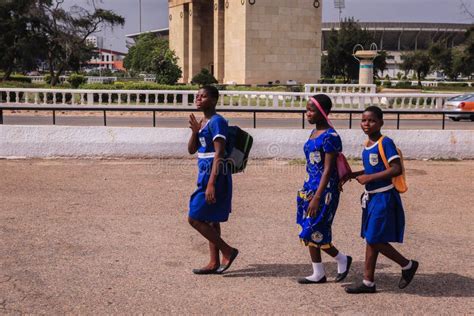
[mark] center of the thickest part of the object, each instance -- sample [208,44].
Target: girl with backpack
[317,201]
[383,218]
[210,204]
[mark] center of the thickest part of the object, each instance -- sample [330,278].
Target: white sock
[318,272]
[341,260]
[368,283]
[408,266]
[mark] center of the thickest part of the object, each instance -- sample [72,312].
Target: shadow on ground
[426,285]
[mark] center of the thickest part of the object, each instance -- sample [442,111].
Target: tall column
[194,39]
[219,40]
[179,35]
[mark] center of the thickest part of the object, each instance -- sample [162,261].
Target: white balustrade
[429,83]
[228,99]
[340,88]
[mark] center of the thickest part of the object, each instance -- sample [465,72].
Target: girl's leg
[371,254]
[315,254]
[210,233]
[318,276]
[368,284]
[343,262]
[409,267]
[388,251]
[213,250]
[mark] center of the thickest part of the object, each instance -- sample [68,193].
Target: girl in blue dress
[317,201]
[210,204]
[383,218]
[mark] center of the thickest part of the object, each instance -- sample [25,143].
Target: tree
[152,55]
[204,78]
[340,61]
[66,32]
[418,61]
[442,59]
[380,63]
[21,43]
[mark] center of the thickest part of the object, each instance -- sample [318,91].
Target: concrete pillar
[219,38]
[366,71]
[194,39]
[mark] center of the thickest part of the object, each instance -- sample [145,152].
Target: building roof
[108,51]
[394,36]
[162,32]
[404,36]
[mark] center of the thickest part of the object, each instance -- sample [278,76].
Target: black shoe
[360,289]
[407,275]
[205,271]
[342,276]
[224,267]
[306,281]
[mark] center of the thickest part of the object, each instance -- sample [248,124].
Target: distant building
[96,41]
[398,38]
[107,59]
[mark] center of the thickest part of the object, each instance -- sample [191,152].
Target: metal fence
[154,109]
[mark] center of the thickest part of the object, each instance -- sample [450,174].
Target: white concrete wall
[130,142]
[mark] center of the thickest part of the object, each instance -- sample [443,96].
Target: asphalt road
[244,121]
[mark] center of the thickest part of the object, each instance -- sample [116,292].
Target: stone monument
[366,60]
[248,41]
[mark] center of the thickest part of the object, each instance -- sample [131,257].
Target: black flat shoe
[306,281]
[224,267]
[205,271]
[361,289]
[342,276]
[407,275]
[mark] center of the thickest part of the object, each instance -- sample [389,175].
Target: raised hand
[194,124]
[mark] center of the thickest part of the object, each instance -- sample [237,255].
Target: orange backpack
[399,182]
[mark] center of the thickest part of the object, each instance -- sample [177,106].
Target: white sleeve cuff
[219,136]
[392,158]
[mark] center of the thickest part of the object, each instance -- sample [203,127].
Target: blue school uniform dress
[316,231]
[216,127]
[383,218]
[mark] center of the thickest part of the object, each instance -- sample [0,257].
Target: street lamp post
[140,5]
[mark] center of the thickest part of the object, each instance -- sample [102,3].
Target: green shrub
[387,84]
[404,84]
[20,78]
[327,80]
[76,80]
[204,78]
[453,84]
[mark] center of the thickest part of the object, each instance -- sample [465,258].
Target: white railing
[429,83]
[340,88]
[90,79]
[228,99]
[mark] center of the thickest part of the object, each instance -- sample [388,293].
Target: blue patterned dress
[316,231]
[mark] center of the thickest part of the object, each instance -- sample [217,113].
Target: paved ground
[102,237]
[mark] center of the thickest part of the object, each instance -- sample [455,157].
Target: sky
[155,14]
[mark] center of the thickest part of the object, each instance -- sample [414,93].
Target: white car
[462,103]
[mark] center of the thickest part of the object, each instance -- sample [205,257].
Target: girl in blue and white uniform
[383,218]
[317,201]
[210,204]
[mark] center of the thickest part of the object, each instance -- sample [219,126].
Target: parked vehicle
[463,103]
